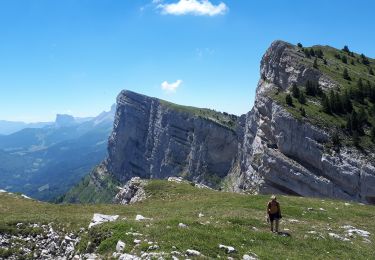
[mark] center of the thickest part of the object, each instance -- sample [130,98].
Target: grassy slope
[334,69]
[229,219]
[97,187]
[224,119]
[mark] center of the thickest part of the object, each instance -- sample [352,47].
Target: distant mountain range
[44,161]
[10,127]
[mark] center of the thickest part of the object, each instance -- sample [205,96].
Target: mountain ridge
[46,162]
[274,150]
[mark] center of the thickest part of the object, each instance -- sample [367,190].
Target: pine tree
[309,88]
[303,112]
[289,100]
[295,91]
[326,105]
[344,59]
[346,102]
[313,89]
[315,63]
[345,74]
[319,53]
[360,93]
[365,60]
[346,49]
[299,45]
[356,139]
[362,119]
[372,134]
[352,62]
[332,100]
[312,52]
[370,71]
[354,121]
[372,94]
[339,108]
[302,98]
[349,124]
[336,141]
[307,53]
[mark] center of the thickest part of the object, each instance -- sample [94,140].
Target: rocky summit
[271,149]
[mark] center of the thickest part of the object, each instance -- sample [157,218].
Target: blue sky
[75,56]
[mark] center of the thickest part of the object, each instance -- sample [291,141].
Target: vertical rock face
[281,154]
[150,139]
[265,151]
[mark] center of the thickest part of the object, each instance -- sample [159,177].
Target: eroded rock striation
[153,139]
[268,150]
[281,154]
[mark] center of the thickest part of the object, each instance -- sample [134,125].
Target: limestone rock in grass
[228,249]
[182,225]
[176,179]
[153,247]
[176,253]
[132,192]
[120,246]
[133,234]
[350,230]
[91,257]
[336,236]
[128,257]
[202,186]
[250,256]
[25,197]
[153,255]
[137,241]
[141,218]
[101,218]
[191,252]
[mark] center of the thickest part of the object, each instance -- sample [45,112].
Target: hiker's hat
[273,197]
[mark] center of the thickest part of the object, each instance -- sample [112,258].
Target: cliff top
[327,87]
[221,118]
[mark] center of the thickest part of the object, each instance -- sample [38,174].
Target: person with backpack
[274,213]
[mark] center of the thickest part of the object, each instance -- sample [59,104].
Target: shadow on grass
[284,234]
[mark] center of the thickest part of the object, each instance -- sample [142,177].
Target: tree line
[341,103]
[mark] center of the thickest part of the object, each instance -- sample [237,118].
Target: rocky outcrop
[132,192]
[153,139]
[42,243]
[281,154]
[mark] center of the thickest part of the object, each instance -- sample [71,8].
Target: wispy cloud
[192,7]
[170,87]
[201,52]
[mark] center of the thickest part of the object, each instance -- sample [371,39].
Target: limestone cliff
[282,154]
[155,139]
[268,150]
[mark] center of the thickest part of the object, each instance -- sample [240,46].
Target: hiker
[274,213]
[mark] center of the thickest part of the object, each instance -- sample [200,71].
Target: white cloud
[194,7]
[170,87]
